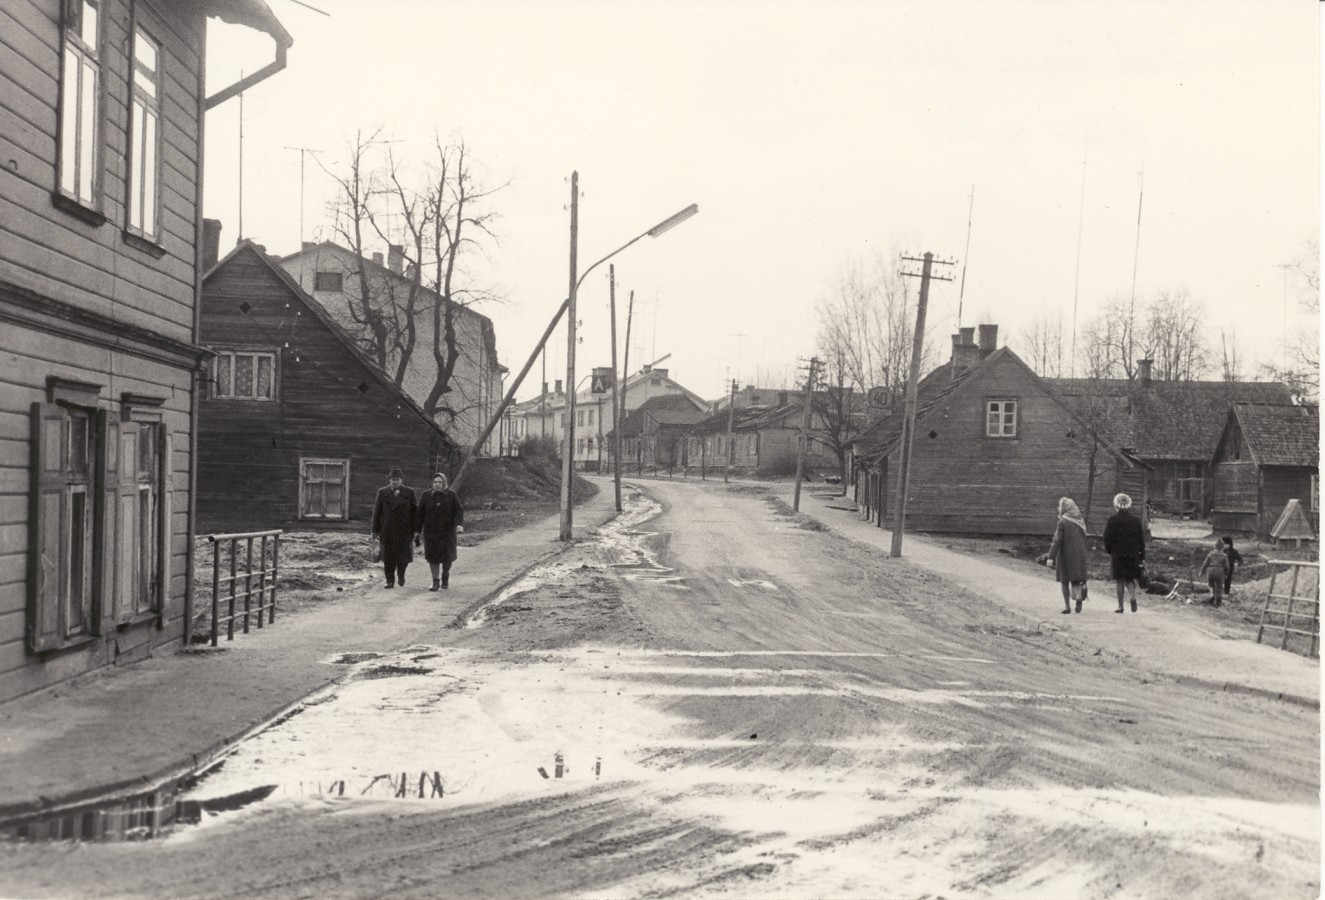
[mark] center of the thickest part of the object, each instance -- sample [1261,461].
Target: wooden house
[1172,426]
[994,450]
[653,434]
[102,107]
[298,427]
[337,279]
[1266,456]
[765,440]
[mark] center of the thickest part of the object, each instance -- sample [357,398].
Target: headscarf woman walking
[440,517]
[1067,553]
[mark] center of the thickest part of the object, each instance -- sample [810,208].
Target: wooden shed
[994,450]
[297,428]
[1267,455]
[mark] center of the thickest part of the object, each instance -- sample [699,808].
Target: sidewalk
[1155,641]
[127,729]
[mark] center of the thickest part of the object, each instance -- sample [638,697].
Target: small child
[1234,560]
[1217,565]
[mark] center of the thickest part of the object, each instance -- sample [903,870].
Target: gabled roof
[489,335]
[670,409]
[754,418]
[315,308]
[1170,419]
[1280,435]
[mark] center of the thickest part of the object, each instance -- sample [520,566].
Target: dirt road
[715,698]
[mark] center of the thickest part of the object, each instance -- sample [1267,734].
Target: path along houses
[298,428]
[994,450]
[102,107]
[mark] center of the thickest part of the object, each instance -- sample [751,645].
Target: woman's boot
[434,576]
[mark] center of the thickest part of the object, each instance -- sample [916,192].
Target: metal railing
[1293,613]
[265,608]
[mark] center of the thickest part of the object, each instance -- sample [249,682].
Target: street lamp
[568,439]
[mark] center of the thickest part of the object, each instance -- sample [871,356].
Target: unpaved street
[716,698]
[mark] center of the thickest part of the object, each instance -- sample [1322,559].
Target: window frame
[1003,404]
[344,463]
[83,195]
[227,392]
[139,183]
[340,281]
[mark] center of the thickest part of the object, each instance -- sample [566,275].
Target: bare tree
[1175,336]
[1110,341]
[1042,344]
[1230,356]
[835,403]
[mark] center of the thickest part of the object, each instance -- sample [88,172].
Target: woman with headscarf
[1067,553]
[1125,542]
[440,517]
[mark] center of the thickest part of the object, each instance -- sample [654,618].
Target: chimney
[662,372]
[377,258]
[308,245]
[782,398]
[210,251]
[965,351]
[988,340]
[1143,371]
[558,383]
[968,335]
[395,258]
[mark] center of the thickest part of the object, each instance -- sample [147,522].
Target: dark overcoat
[1068,552]
[394,515]
[439,513]
[1124,537]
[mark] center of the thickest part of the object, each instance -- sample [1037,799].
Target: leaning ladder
[1281,617]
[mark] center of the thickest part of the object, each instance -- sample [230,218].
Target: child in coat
[1234,560]
[1216,570]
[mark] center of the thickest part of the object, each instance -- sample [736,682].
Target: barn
[1267,455]
[297,427]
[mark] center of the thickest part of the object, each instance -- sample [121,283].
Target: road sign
[602,381]
[877,398]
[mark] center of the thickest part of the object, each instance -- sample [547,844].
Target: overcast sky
[812,134]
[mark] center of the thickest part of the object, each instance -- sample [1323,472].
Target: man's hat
[395,473]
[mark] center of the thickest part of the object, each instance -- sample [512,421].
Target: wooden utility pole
[731,416]
[912,386]
[616,374]
[805,433]
[625,358]
[568,444]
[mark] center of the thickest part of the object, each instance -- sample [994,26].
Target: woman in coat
[440,517]
[393,523]
[1125,542]
[1067,553]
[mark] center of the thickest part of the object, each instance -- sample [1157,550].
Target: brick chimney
[395,258]
[558,388]
[965,351]
[1143,371]
[377,258]
[662,372]
[307,245]
[988,340]
[210,251]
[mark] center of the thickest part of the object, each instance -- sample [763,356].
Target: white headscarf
[1068,512]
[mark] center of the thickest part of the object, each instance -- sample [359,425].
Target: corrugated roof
[1180,420]
[1280,435]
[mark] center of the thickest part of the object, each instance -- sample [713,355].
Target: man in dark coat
[1125,542]
[393,526]
[440,517]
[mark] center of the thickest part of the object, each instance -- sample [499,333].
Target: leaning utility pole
[568,440]
[731,415]
[912,385]
[616,405]
[805,433]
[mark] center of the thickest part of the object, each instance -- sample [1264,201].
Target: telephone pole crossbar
[926,274]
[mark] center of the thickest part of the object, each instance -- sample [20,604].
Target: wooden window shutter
[126,525]
[47,535]
[164,506]
[105,482]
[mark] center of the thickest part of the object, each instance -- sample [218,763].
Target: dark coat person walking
[440,517]
[1125,542]
[393,526]
[1067,553]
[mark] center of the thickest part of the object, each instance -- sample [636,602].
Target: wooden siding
[57,254]
[962,481]
[249,450]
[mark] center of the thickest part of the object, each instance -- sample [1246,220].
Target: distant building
[103,105]
[1266,456]
[334,276]
[297,427]
[653,434]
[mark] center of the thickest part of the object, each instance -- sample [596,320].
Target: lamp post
[568,438]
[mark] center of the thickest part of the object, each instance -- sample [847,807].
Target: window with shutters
[65,528]
[324,488]
[80,105]
[138,562]
[244,375]
[144,136]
